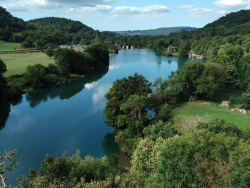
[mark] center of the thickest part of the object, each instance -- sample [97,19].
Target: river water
[68,117]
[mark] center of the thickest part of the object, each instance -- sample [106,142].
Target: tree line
[68,63]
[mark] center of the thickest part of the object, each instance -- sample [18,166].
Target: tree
[184,48]
[68,170]
[119,93]
[135,114]
[177,165]
[49,51]
[240,176]
[160,129]
[3,69]
[248,88]
[7,163]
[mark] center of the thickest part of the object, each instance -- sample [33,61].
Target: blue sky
[119,15]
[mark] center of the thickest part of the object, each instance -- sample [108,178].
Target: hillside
[9,24]
[39,32]
[61,25]
[231,19]
[159,31]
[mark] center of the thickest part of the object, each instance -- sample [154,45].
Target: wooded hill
[39,32]
[9,24]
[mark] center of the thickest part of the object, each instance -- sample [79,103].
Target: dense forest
[166,150]
[9,24]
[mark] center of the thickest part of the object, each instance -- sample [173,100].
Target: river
[68,117]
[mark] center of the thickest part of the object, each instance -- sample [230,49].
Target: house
[171,48]
[224,104]
[62,46]
[81,49]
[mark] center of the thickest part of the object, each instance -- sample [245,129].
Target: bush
[37,76]
[69,169]
[165,113]
[160,129]
[243,101]
[221,126]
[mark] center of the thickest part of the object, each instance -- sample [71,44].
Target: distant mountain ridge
[159,31]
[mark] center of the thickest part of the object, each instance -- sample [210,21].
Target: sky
[120,15]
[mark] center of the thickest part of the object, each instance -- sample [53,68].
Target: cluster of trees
[67,62]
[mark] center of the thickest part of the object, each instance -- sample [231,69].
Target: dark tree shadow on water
[110,146]
[5,108]
[65,90]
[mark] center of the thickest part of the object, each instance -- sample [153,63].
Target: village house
[171,48]
[81,49]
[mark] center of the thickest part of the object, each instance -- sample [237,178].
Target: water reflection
[110,146]
[5,110]
[98,97]
[66,90]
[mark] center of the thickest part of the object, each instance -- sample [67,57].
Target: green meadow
[9,46]
[199,109]
[17,63]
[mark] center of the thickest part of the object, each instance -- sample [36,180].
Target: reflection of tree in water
[5,107]
[110,146]
[66,90]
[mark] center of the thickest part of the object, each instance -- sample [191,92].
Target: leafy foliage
[68,169]
[49,51]
[2,79]
[160,129]
[7,163]
[119,93]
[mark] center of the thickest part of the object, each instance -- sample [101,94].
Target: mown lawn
[9,46]
[17,63]
[196,108]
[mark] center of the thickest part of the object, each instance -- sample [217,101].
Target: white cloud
[186,6]
[98,98]
[48,5]
[89,86]
[113,67]
[196,12]
[232,4]
[143,16]
[122,9]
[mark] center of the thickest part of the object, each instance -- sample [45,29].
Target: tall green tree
[119,93]
[3,69]
[7,163]
[49,51]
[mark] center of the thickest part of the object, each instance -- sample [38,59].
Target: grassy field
[9,46]
[197,108]
[17,63]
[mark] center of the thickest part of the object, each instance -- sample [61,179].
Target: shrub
[160,129]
